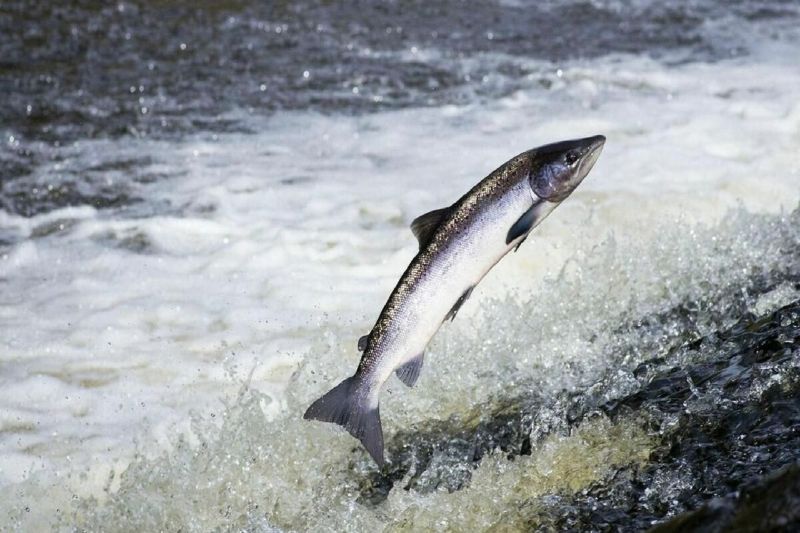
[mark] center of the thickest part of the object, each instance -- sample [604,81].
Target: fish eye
[571,158]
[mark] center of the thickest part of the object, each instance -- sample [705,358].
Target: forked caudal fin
[346,405]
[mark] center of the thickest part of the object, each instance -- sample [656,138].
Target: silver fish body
[458,246]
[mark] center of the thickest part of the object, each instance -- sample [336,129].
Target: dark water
[723,408]
[721,397]
[89,70]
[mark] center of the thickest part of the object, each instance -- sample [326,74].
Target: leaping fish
[458,245]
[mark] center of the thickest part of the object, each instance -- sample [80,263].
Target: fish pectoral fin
[425,225]
[456,306]
[525,223]
[362,342]
[520,243]
[409,372]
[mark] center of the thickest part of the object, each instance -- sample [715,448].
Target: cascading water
[203,207]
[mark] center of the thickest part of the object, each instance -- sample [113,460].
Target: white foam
[284,245]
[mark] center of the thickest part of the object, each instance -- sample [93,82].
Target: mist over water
[202,207]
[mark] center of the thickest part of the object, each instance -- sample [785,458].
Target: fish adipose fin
[362,342]
[525,223]
[409,372]
[461,299]
[347,406]
[425,225]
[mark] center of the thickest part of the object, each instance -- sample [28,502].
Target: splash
[575,342]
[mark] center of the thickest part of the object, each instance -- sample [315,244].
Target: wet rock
[55,226]
[723,421]
[771,504]
[724,417]
[132,240]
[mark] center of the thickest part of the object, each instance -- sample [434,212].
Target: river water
[203,206]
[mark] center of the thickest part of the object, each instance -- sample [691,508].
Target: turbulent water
[204,205]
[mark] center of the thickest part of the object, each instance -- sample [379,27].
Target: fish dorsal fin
[362,342]
[409,372]
[425,225]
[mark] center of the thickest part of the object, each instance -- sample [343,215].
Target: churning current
[203,207]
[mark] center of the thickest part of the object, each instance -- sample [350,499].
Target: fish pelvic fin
[348,406]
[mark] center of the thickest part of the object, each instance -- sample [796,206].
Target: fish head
[558,168]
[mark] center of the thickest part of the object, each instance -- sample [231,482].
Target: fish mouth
[592,147]
[596,143]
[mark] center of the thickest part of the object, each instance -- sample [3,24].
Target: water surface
[203,206]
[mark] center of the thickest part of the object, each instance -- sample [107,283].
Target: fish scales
[458,246]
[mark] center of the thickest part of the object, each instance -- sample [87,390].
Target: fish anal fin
[346,406]
[362,342]
[409,371]
[425,225]
[456,306]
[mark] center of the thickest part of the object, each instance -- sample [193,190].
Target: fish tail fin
[347,405]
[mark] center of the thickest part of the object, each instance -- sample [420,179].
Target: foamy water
[155,361]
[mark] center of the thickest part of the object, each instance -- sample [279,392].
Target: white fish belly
[456,268]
